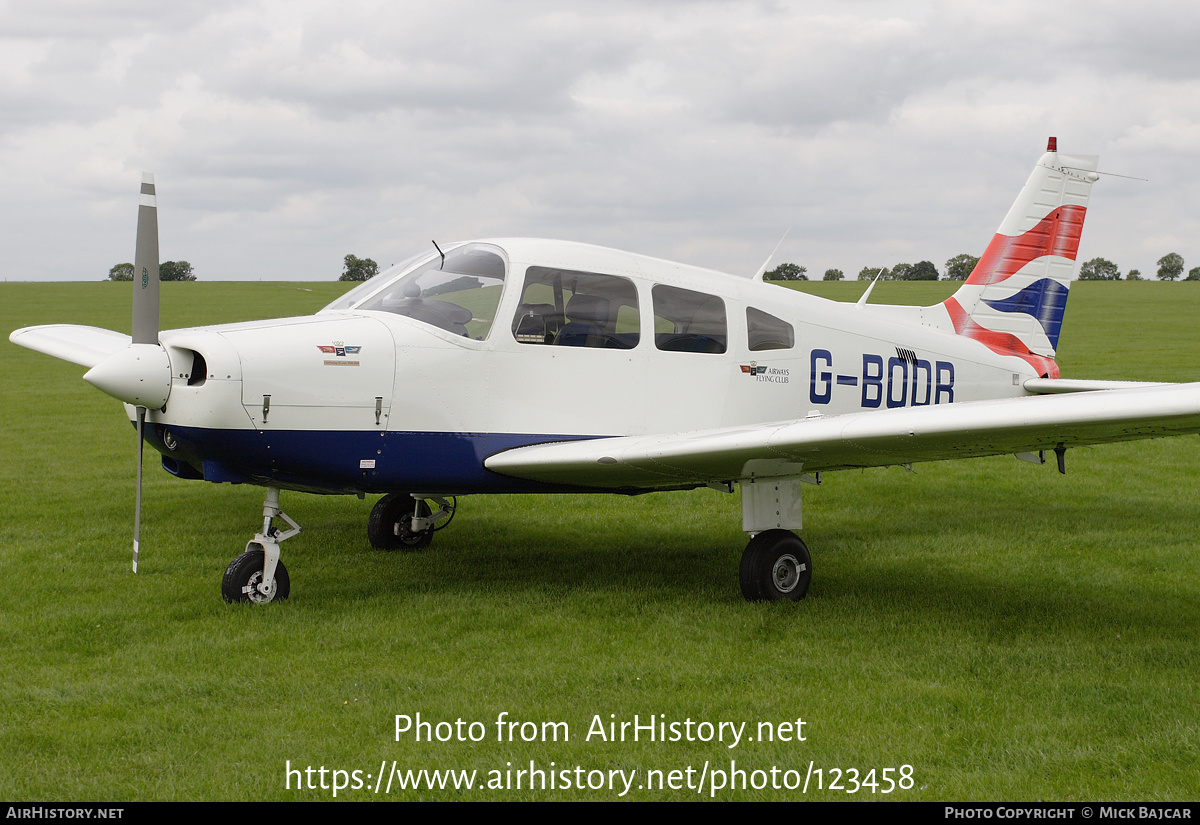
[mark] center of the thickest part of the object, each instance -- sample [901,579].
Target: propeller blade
[137,512]
[145,267]
[145,331]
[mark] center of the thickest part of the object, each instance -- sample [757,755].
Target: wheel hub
[253,593]
[786,573]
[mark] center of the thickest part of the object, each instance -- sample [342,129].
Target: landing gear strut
[258,575]
[405,521]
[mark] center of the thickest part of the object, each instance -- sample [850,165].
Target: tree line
[167,271]
[353,269]
[959,268]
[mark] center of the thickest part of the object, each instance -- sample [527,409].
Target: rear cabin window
[765,331]
[459,295]
[687,321]
[566,308]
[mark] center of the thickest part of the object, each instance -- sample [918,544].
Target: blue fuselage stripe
[347,461]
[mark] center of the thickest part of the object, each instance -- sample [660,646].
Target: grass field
[1009,633]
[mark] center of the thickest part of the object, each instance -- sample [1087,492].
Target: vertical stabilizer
[1014,300]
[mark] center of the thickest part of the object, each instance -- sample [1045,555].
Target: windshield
[459,295]
[377,283]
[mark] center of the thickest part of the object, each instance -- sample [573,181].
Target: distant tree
[175,271]
[787,272]
[1099,269]
[1193,274]
[1170,266]
[833,275]
[121,272]
[923,271]
[167,271]
[869,273]
[1134,275]
[358,269]
[959,267]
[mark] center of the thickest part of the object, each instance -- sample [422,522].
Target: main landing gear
[776,565]
[406,521]
[258,575]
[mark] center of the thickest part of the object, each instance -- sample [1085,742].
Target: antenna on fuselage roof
[758,276]
[440,252]
[867,294]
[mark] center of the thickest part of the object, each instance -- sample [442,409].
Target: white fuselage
[355,398]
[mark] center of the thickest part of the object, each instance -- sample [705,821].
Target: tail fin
[1014,299]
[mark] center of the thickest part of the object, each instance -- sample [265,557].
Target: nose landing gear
[258,575]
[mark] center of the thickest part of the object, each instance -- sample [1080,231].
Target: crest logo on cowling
[339,350]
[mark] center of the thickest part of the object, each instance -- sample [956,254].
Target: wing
[869,439]
[86,346]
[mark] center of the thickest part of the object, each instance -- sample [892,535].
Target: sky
[286,135]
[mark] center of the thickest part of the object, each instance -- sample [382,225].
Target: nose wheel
[244,577]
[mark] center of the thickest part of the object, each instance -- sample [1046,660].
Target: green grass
[1011,633]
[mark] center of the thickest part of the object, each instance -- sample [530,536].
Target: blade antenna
[758,276]
[440,252]
[867,294]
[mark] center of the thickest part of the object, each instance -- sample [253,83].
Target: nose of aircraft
[139,375]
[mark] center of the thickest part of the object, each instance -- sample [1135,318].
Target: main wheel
[390,524]
[776,565]
[243,575]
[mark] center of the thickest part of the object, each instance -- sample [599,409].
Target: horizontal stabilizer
[86,346]
[870,439]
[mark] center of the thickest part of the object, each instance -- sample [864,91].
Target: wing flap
[869,439]
[86,346]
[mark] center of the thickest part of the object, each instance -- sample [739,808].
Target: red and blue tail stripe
[1014,300]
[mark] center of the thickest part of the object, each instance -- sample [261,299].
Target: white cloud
[286,135]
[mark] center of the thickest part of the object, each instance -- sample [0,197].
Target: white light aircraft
[519,365]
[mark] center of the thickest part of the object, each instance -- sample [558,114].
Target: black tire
[775,566]
[243,575]
[389,526]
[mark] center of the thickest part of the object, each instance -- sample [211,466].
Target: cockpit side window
[567,308]
[459,295]
[687,321]
[765,331]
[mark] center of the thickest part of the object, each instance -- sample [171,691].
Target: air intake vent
[199,370]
